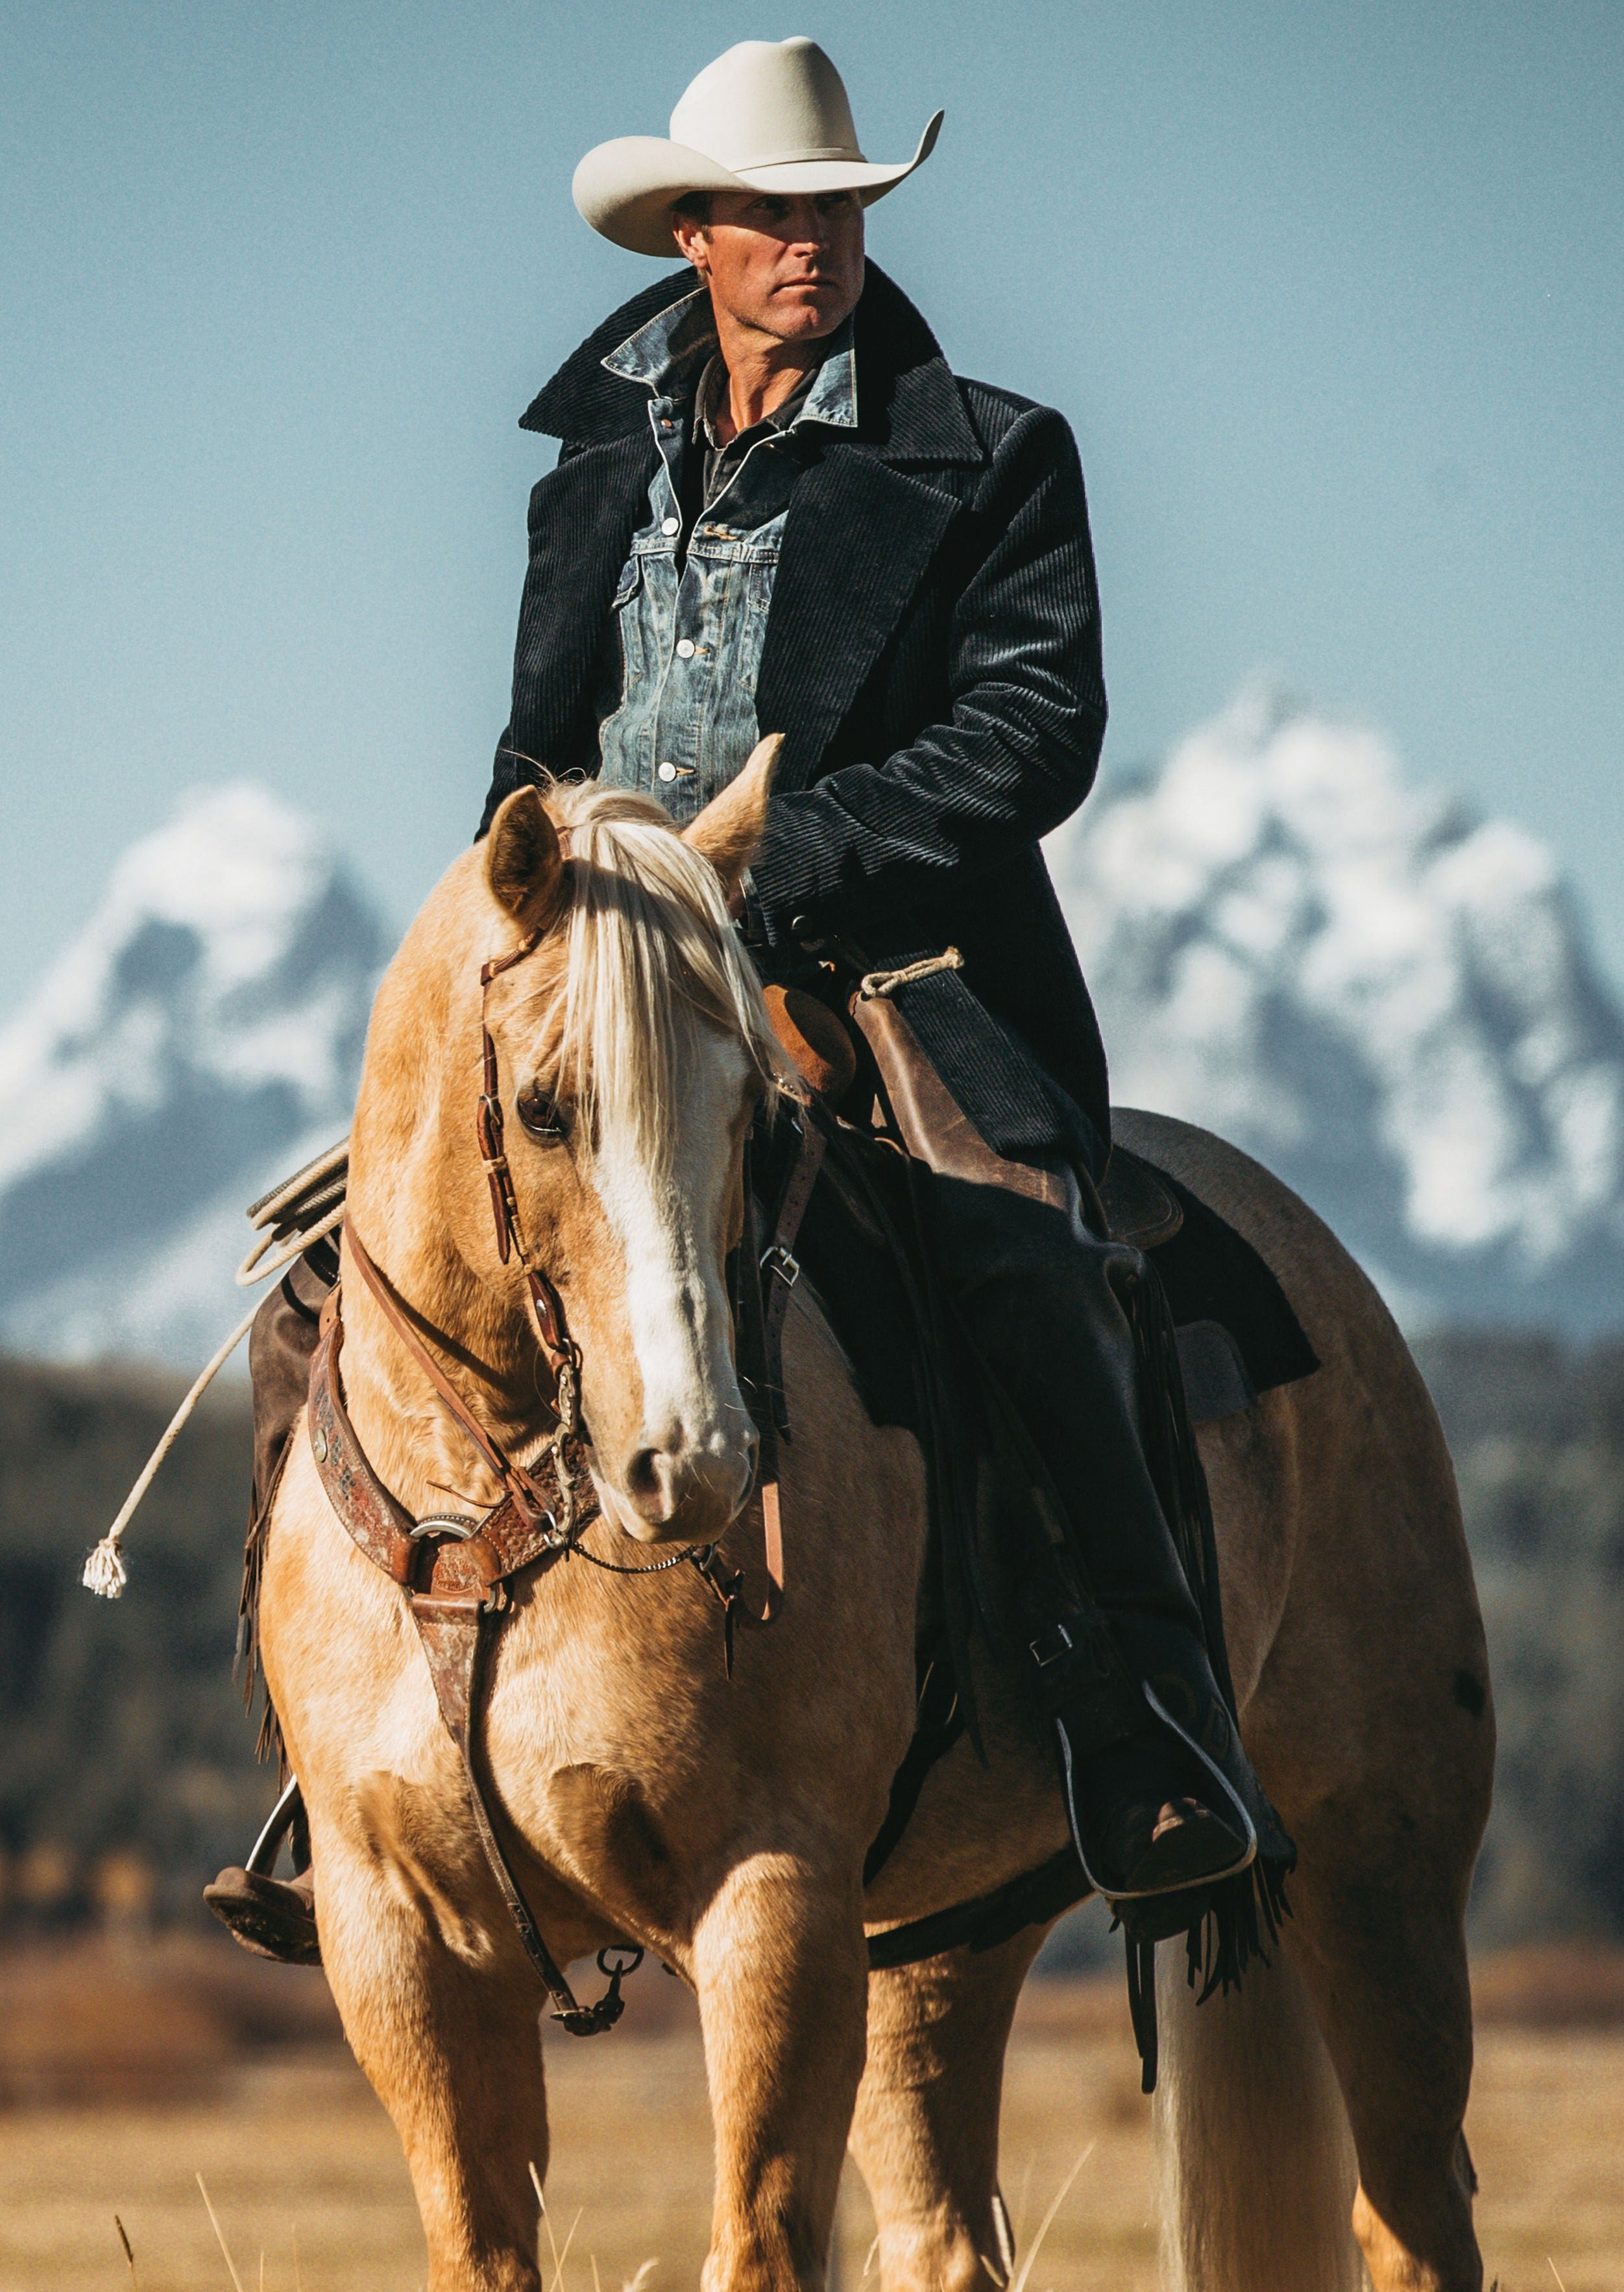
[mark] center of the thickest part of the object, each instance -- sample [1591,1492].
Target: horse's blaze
[680,1452]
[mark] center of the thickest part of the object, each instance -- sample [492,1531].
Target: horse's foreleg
[449,2038]
[926,2129]
[780,1968]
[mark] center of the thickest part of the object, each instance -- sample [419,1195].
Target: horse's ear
[523,859]
[730,827]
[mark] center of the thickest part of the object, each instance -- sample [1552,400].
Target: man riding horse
[775,509]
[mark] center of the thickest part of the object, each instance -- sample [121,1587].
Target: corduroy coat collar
[910,406]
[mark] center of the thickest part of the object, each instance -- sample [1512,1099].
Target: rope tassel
[105,1572]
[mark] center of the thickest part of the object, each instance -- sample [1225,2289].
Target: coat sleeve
[1019,747]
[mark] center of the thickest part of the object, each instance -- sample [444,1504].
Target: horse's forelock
[650,956]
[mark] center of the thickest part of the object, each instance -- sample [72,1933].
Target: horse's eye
[541,1115]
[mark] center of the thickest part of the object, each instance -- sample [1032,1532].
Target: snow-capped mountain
[199,1038]
[1386,999]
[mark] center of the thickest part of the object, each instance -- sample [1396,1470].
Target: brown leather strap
[463,1580]
[521,1485]
[381,1527]
[780,1269]
[546,1306]
[453,1640]
[476,1553]
[778,1272]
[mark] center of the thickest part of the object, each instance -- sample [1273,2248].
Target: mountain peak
[1385,997]
[205,1023]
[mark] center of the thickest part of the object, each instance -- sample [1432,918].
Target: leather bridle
[568,1446]
[559,1349]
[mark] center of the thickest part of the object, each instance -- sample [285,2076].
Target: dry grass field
[306,2181]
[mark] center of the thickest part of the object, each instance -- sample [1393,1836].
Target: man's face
[791,269]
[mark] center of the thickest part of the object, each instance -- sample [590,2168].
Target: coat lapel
[861,530]
[857,543]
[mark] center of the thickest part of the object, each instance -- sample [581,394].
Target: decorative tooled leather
[378,1524]
[507,1539]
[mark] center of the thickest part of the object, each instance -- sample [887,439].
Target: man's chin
[805,317]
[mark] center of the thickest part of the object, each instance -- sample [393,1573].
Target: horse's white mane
[652,956]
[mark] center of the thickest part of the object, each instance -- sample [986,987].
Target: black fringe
[1227,1933]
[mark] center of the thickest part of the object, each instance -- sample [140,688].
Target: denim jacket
[677,672]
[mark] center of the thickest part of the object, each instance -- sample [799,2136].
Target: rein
[455,1568]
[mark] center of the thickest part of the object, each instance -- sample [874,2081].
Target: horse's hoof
[274,1918]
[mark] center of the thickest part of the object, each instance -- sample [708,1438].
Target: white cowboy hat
[768,116]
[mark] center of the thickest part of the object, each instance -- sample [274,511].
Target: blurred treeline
[1537,1433]
[127,1775]
[126,1769]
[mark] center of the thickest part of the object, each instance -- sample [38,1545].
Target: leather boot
[1158,1791]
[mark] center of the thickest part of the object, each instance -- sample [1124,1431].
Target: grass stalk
[1026,2266]
[220,2234]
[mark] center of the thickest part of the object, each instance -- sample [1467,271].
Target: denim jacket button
[670,526]
[666,772]
[684,649]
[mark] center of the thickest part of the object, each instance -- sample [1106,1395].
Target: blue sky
[1332,295]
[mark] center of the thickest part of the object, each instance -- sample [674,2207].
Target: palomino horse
[723,1824]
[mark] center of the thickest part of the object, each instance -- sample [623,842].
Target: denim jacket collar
[912,408]
[670,353]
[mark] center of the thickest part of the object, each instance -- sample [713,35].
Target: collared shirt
[723,458]
[677,668]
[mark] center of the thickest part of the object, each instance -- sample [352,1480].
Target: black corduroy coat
[932,656]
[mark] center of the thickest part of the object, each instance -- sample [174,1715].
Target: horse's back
[1341,1312]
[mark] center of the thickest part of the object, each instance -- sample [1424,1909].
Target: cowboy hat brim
[626,189]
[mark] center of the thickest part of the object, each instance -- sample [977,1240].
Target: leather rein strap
[455,1567]
[779,1269]
[522,1487]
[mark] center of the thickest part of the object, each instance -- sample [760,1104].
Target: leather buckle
[779,1261]
[1053,1641]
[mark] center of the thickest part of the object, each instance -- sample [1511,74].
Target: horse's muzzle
[680,1493]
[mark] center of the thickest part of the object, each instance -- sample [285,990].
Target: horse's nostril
[643,1474]
[664,1479]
